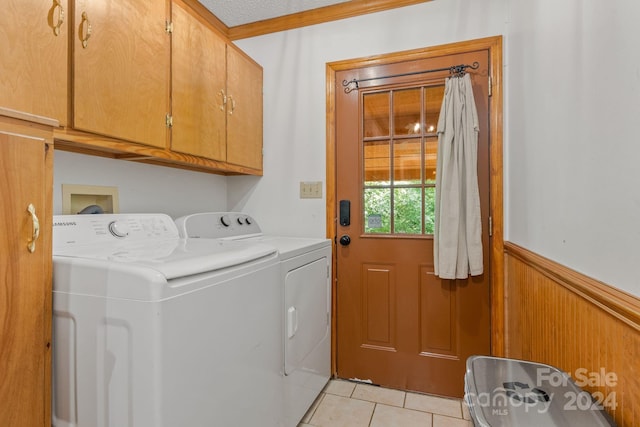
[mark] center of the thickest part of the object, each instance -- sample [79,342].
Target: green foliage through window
[407,202]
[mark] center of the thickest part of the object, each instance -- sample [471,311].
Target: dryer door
[307,308]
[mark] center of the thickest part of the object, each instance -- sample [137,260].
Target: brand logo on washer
[65,224]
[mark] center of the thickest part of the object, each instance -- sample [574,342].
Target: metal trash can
[509,392]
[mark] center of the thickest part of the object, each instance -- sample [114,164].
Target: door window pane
[432,104]
[407,210]
[429,209]
[377,163]
[430,159]
[406,161]
[376,114]
[407,111]
[377,210]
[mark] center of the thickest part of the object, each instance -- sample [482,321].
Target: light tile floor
[347,404]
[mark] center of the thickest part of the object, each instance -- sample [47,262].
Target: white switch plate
[311,189]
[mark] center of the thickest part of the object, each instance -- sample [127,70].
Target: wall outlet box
[311,190]
[77,197]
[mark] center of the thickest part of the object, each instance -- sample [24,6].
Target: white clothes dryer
[152,330]
[306,283]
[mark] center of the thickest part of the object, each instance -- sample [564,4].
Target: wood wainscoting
[557,316]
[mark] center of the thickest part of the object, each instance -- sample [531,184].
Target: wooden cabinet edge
[85,143]
[28,117]
[205,14]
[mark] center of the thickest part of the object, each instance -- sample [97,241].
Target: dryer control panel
[72,230]
[218,225]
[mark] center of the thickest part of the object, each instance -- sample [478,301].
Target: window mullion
[392,208]
[423,152]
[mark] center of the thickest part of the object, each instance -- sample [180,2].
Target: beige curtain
[458,229]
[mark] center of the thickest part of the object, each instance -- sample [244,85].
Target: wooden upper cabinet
[121,69]
[244,110]
[216,94]
[198,87]
[33,57]
[112,74]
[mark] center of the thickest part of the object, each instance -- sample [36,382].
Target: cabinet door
[244,110]
[25,281]
[198,87]
[33,57]
[121,69]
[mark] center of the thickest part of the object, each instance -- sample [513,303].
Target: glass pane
[406,161]
[376,114]
[430,159]
[407,210]
[400,165]
[377,163]
[377,210]
[406,111]
[432,103]
[429,209]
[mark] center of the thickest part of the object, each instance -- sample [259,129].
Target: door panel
[244,110]
[198,87]
[437,314]
[121,78]
[378,314]
[33,41]
[24,289]
[398,324]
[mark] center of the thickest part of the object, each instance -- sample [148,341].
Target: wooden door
[25,279]
[198,87]
[33,42]
[244,110]
[398,324]
[121,68]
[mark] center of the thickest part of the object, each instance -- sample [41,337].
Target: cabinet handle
[233,105]
[224,99]
[31,246]
[85,34]
[58,25]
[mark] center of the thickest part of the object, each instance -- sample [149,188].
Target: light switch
[311,189]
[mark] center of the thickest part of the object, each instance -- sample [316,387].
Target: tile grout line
[372,412]
[362,396]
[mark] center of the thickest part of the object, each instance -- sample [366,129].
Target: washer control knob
[240,222]
[119,228]
[224,219]
[248,221]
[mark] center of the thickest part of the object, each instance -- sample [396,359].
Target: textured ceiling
[239,12]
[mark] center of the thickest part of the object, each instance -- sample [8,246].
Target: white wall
[141,187]
[573,104]
[572,72]
[294,65]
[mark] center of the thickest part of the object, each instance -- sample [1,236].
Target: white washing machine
[152,330]
[306,283]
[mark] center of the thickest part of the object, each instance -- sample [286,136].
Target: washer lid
[174,257]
